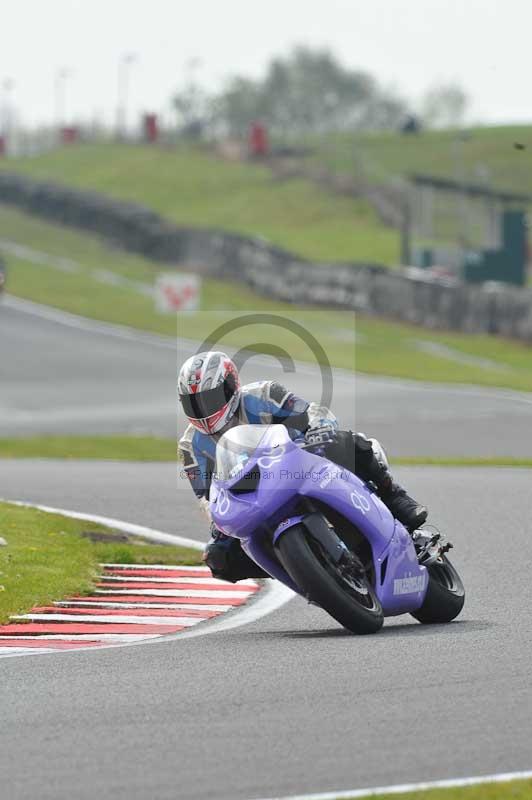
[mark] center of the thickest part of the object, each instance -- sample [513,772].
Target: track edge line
[448,783]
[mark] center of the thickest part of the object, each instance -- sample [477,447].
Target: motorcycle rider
[213,400]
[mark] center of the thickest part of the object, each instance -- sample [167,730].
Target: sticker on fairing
[223,502]
[409,585]
[360,502]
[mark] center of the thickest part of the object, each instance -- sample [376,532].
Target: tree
[308,91]
[191,103]
[237,106]
[444,106]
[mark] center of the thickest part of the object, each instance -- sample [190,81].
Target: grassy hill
[192,187]
[85,275]
[485,155]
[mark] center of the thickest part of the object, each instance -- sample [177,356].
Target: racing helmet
[209,390]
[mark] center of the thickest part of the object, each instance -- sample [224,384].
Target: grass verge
[371,345]
[383,155]
[149,448]
[48,557]
[104,448]
[512,790]
[496,461]
[190,186]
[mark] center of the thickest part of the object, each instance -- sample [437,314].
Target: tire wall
[407,295]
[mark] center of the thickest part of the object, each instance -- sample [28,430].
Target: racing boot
[404,508]
[227,561]
[370,468]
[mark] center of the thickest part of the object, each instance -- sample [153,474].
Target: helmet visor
[205,404]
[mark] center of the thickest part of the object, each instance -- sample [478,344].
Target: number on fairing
[360,502]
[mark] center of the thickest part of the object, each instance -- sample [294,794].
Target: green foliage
[305,91]
[444,106]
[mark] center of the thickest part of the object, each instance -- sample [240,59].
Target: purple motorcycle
[324,533]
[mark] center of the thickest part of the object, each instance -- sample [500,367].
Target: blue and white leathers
[262,403]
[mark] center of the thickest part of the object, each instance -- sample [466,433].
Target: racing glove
[321,432]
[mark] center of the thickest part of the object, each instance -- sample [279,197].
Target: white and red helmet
[209,390]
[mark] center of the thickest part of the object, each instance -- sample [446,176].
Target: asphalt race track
[64,379]
[289,704]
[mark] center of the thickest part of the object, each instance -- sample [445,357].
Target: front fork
[318,529]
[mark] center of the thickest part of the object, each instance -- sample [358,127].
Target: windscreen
[239,445]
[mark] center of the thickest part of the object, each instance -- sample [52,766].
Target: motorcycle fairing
[288,474]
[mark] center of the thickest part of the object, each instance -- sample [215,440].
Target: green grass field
[448,153]
[371,345]
[512,790]
[112,447]
[150,448]
[47,557]
[192,187]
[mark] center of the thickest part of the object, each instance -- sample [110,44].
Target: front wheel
[349,598]
[445,594]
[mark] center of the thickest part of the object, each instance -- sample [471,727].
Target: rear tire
[352,603]
[445,595]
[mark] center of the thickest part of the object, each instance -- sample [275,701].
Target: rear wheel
[343,592]
[445,594]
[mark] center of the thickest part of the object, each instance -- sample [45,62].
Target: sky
[409,45]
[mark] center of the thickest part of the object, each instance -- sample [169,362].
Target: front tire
[349,600]
[445,594]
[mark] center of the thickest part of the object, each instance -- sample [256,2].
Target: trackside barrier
[403,294]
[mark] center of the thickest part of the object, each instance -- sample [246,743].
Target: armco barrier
[408,295]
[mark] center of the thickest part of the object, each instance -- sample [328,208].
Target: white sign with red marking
[177,291]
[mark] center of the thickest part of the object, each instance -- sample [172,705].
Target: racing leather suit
[266,403]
